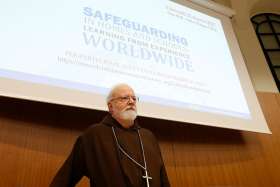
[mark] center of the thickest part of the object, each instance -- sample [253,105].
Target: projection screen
[183,60]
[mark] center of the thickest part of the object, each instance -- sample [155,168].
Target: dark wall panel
[35,139]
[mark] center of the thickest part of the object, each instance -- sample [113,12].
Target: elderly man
[116,152]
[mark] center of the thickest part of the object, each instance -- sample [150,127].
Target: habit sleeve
[164,182]
[73,169]
[164,178]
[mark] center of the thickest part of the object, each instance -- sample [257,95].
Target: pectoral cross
[147,178]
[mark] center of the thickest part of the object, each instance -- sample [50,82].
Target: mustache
[131,108]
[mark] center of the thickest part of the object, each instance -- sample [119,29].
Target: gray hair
[113,90]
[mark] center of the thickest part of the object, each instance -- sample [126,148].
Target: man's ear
[110,107]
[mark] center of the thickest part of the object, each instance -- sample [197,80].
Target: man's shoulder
[147,132]
[144,130]
[96,133]
[96,128]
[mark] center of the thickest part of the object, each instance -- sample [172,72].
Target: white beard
[128,115]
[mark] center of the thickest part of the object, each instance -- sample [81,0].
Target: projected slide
[172,55]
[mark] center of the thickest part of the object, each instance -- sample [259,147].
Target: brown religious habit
[113,156]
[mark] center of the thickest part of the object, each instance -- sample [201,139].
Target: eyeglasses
[125,99]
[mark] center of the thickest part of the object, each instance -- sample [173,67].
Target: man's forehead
[123,90]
